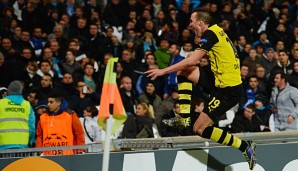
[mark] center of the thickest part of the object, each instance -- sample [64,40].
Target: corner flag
[110,101]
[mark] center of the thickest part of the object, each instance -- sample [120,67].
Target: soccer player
[227,92]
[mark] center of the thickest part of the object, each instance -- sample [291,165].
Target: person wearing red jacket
[59,126]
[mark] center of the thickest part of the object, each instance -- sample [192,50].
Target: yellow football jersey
[224,60]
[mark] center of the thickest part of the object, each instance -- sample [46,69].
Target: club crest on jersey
[203,41]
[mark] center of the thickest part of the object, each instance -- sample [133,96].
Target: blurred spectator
[128,64]
[70,64]
[263,40]
[148,43]
[186,49]
[114,46]
[293,78]
[171,78]
[263,81]
[96,43]
[250,93]
[128,95]
[66,87]
[252,60]
[284,65]
[268,61]
[162,54]
[113,12]
[28,74]
[59,120]
[83,98]
[92,131]
[3,92]
[47,54]
[39,109]
[241,41]
[279,45]
[244,75]
[284,100]
[90,77]
[44,68]
[37,40]
[45,85]
[263,110]
[149,96]
[16,109]
[139,125]
[280,33]
[246,120]
[185,36]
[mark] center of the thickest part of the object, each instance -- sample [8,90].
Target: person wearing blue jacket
[17,119]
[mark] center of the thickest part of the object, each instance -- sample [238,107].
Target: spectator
[293,78]
[90,77]
[262,41]
[148,43]
[70,64]
[39,109]
[284,99]
[268,61]
[95,44]
[149,96]
[114,46]
[38,41]
[284,65]
[162,54]
[45,85]
[244,75]
[246,120]
[250,93]
[139,125]
[252,60]
[59,121]
[128,95]
[67,87]
[47,54]
[15,109]
[171,78]
[44,68]
[92,131]
[186,49]
[113,12]
[128,64]
[83,98]
[263,111]
[241,41]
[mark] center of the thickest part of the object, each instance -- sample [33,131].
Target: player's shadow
[211,162]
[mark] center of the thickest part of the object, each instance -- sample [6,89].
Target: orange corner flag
[110,101]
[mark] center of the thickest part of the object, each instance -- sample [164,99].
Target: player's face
[194,24]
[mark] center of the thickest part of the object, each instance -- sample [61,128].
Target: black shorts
[222,100]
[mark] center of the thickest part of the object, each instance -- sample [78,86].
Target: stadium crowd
[59,51]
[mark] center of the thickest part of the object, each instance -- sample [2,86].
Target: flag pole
[106,151]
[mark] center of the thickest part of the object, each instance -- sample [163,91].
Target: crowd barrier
[275,151]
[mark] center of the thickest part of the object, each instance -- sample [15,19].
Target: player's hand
[154,73]
[290,119]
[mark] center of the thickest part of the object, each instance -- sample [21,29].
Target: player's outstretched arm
[187,62]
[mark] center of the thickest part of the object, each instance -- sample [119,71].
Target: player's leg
[220,101]
[185,80]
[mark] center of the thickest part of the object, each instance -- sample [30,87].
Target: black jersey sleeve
[208,40]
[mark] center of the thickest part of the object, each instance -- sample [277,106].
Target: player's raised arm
[186,63]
